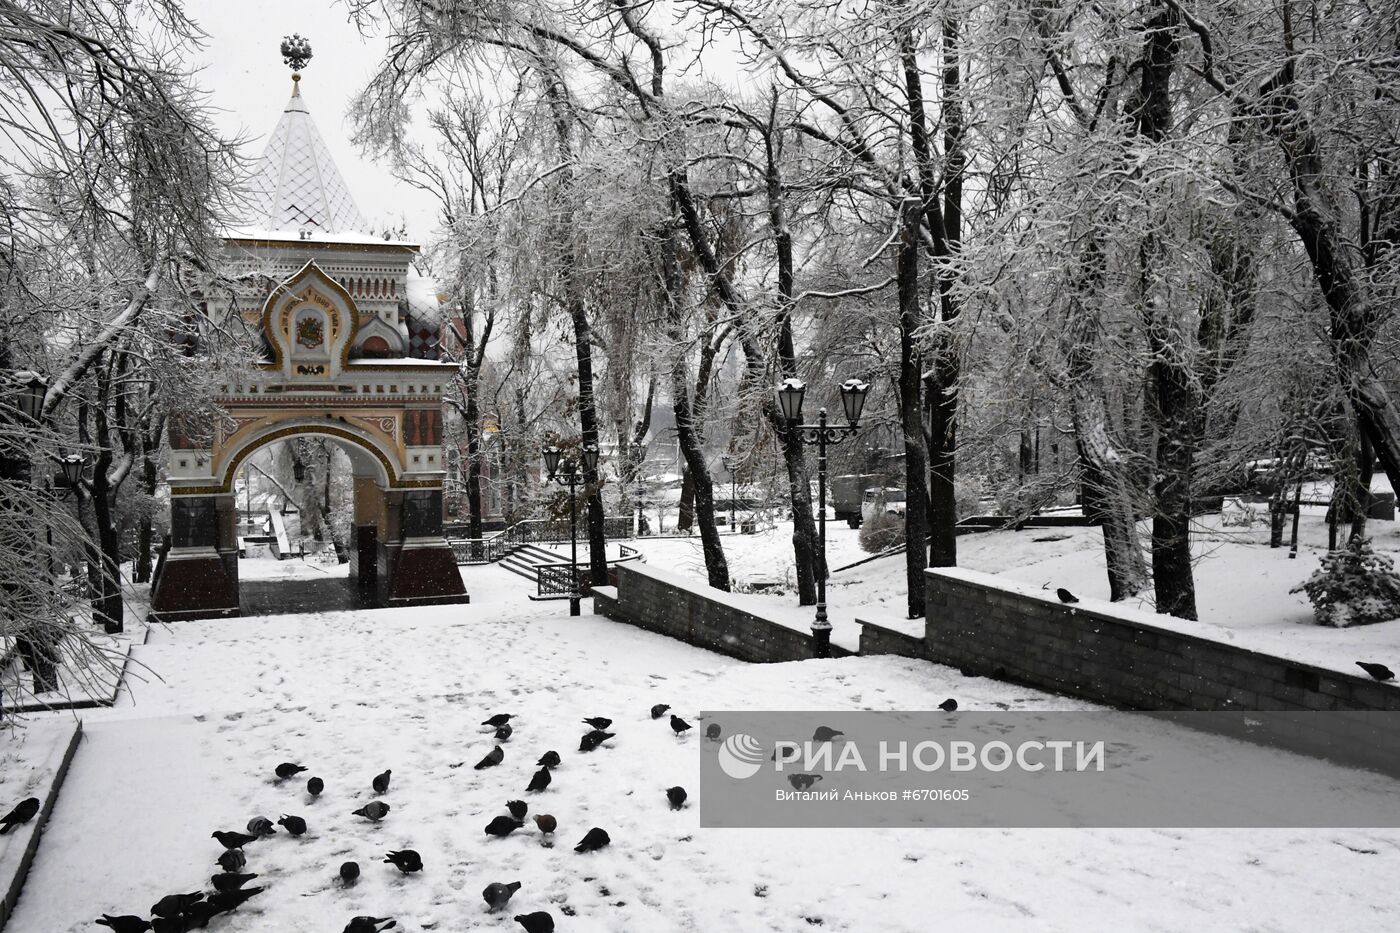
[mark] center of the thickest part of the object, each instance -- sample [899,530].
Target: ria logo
[740,756]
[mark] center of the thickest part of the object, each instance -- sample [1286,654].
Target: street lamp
[731,463]
[570,472]
[790,395]
[72,467]
[32,389]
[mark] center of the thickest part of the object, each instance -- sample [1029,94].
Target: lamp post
[790,395]
[570,472]
[731,463]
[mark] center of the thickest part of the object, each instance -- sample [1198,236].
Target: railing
[531,531]
[555,579]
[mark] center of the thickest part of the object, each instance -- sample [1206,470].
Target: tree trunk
[685,521]
[1171,369]
[911,410]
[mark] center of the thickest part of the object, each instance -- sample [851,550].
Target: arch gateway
[350,336]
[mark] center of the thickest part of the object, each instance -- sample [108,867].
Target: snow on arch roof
[296,184]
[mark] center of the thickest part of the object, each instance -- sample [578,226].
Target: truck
[848,492]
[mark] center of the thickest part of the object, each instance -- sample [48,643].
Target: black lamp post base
[573,605]
[821,642]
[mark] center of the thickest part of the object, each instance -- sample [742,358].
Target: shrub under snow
[881,531]
[1354,586]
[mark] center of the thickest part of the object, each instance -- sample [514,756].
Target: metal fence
[555,579]
[532,531]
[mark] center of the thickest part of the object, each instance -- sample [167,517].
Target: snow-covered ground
[349,694]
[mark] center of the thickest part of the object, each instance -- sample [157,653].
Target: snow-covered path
[349,694]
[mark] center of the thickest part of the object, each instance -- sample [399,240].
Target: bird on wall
[1378,671]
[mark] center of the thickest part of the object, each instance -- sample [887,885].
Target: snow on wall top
[296,184]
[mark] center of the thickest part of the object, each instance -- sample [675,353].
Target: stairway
[525,559]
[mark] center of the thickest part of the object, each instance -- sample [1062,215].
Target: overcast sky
[249,86]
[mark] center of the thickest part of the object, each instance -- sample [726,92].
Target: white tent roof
[296,185]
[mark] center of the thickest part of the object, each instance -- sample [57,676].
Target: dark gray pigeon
[315,786]
[292,824]
[503,733]
[368,925]
[233,840]
[540,781]
[498,720]
[381,781]
[518,808]
[1378,671]
[599,722]
[494,757]
[548,760]
[405,860]
[172,905]
[678,725]
[593,739]
[659,710]
[503,826]
[593,840]
[375,810]
[126,923]
[23,812]
[538,922]
[230,881]
[232,859]
[948,705]
[232,900]
[826,734]
[349,873]
[261,826]
[497,895]
[288,770]
[712,732]
[677,797]
[1065,596]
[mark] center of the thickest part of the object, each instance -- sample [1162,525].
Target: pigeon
[948,705]
[315,786]
[593,739]
[172,905]
[540,781]
[593,840]
[170,924]
[349,873]
[261,826]
[546,823]
[677,796]
[368,925]
[230,881]
[826,734]
[232,859]
[233,840]
[288,770]
[1066,596]
[803,781]
[381,782]
[498,720]
[598,722]
[538,922]
[549,760]
[678,725]
[518,808]
[497,894]
[503,826]
[292,824]
[232,900]
[503,733]
[200,914]
[375,810]
[1378,671]
[22,813]
[712,732]
[659,710]
[405,860]
[494,757]
[126,923]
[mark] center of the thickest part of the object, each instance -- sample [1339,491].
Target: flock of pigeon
[178,913]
